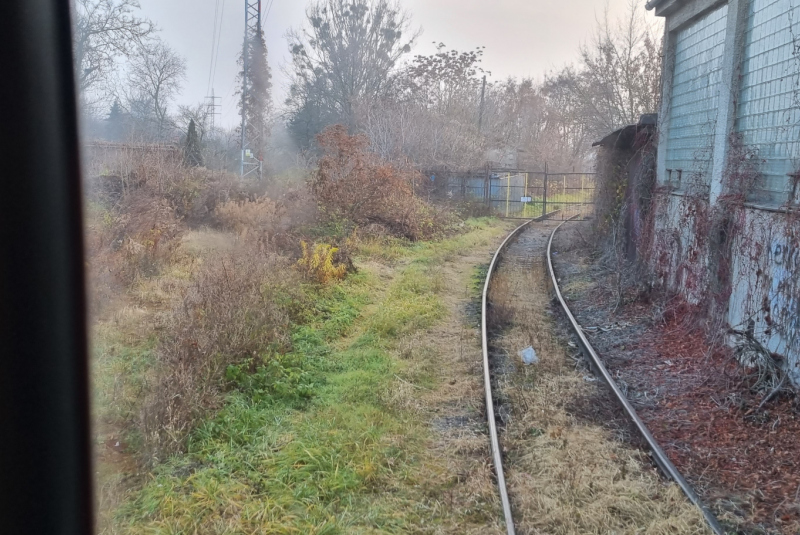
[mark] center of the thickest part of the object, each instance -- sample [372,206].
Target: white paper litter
[528,356]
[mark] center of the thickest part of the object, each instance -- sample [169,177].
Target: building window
[694,100]
[768,113]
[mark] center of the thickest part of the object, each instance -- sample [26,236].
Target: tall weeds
[237,309]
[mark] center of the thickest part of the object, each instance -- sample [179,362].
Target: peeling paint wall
[680,259]
[765,296]
[730,118]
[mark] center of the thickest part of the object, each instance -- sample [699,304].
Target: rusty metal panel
[694,100]
[768,115]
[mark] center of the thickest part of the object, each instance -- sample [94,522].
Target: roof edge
[663,7]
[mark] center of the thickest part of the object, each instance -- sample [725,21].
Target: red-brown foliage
[354,184]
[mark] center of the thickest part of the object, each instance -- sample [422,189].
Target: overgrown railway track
[658,455]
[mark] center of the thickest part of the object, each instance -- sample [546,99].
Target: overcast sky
[523,38]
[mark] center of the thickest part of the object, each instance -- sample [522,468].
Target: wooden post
[487,188]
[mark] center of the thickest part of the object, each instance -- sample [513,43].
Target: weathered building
[727,231]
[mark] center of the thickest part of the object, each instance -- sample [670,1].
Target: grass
[325,439]
[568,473]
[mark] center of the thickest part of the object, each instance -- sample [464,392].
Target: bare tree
[566,123]
[430,114]
[447,79]
[106,30]
[199,114]
[347,52]
[155,75]
[620,72]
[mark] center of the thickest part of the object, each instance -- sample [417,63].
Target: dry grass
[568,475]
[261,216]
[441,381]
[236,309]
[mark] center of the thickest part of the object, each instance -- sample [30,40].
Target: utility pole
[252,32]
[483,99]
[212,109]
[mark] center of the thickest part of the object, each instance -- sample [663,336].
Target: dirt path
[569,468]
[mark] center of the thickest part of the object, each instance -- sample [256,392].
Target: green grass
[559,201]
[310,442]
[119,369]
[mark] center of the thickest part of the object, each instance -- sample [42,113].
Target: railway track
[666,466]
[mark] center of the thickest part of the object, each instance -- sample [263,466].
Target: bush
[355,184]
[139,212]
[318,263]
[260,217]
[238,309]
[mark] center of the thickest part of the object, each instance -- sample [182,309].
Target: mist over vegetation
[353,63]
[245,331]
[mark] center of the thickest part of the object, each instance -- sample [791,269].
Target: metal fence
[523,194]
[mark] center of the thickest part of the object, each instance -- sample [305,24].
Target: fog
[523,38]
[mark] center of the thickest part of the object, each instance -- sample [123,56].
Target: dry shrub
[147,228]
[132,240]
[259,217]
[356,185]
[238,308]
[194,192]
[141,203]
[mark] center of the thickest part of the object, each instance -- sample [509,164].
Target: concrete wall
[765,296]
[730,241]
[680,256]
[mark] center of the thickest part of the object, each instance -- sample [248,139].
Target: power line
[213,44]
[269,8]
[219,41]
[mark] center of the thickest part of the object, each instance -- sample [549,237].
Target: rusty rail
[663,462]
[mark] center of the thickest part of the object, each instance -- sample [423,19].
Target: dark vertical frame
[45,459]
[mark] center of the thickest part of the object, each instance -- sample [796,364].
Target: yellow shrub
[318,263]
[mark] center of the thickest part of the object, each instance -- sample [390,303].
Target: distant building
[727,228]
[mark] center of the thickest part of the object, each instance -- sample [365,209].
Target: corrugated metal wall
[695,99]
[768,115]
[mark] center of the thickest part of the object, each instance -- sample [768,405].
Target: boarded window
[768,118]
[694,100]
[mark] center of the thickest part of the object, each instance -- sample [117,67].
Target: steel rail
[659,455]
[487,377]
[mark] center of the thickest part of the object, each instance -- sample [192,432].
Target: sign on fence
[526,199]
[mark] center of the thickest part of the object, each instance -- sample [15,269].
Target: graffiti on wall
[784,294]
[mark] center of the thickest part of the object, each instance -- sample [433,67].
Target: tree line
[352,65]
[129,79]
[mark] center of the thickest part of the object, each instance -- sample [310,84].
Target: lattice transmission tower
[250,164]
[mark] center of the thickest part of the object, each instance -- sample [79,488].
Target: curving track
[666,466]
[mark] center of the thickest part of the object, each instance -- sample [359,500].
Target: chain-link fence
[520,194]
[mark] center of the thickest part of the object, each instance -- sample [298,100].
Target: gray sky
[523,38]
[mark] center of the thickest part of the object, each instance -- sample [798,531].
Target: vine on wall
[729,268]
